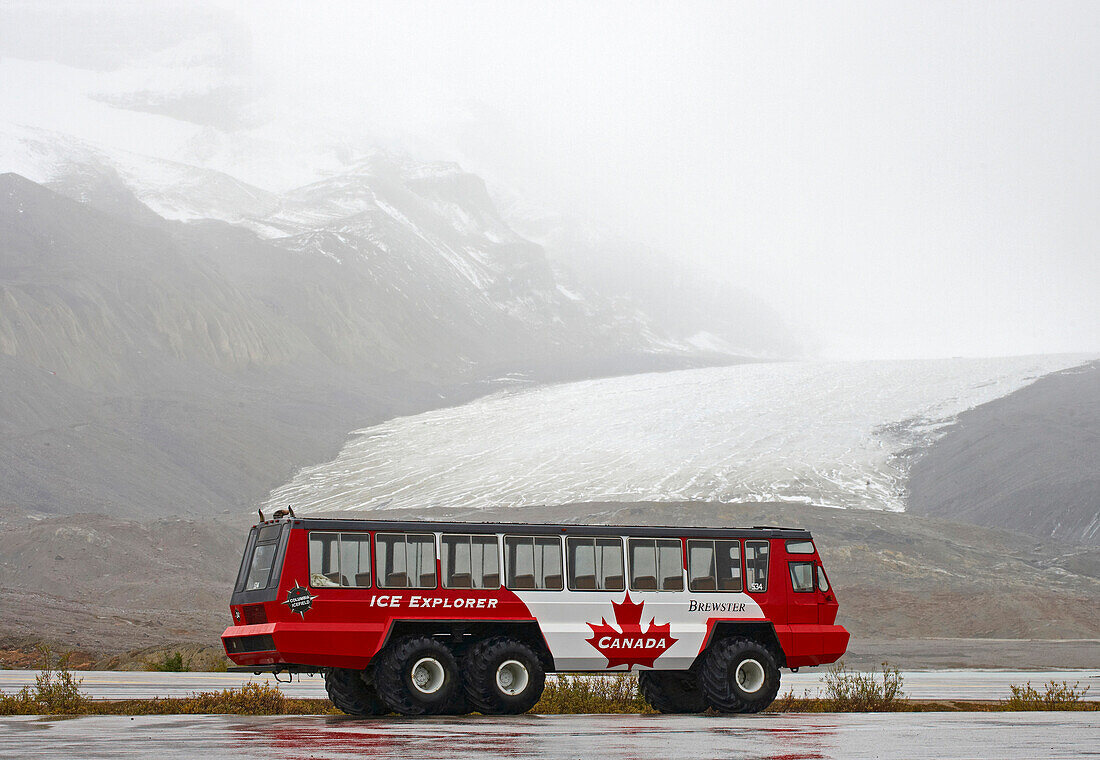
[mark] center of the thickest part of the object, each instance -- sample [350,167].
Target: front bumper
[274,669]
[305,645]
[811,644]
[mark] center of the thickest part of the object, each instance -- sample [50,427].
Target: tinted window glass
[339,559]
[246,561]
[756,565]
[470,562]
[269,533]
[728,554]
[595,564]
[822,581]
[324,560]
[655,565]
[701,575]
[355,559]
[263,558]
[800,547]
[643,564]
[802,576]
[670,565]
[714,565]
[260,573]
[405,560]
[533,563]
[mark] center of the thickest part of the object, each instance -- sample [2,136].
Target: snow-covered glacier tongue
[837,434]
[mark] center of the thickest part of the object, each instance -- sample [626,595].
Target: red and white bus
[431,617]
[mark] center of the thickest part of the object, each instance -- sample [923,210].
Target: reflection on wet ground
[609,737]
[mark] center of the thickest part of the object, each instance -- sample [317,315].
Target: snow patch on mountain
[835,434]
[353,201]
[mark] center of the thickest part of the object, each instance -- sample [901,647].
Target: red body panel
[345,627]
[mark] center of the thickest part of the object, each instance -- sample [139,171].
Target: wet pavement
[792,737]
[919,684]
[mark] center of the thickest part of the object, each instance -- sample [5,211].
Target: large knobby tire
[351,694]
[417,675]
[503,676]
[739,676]
[671,691]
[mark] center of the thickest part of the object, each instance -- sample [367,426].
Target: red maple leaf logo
[631,645]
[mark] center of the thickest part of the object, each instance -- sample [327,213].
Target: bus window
[714,565]
[728,554]
[802,577]
[800,547]
[533,563]
[355,560]
[595,564]
[405,560]
[470,562]
[655,565]
[339,559]
[263,558]
[756,565]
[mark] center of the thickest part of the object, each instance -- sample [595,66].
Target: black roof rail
[577,529]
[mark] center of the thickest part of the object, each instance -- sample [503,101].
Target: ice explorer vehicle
[426,618]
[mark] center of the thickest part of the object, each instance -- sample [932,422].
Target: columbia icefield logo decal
[299,600]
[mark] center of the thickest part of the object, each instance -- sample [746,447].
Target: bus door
[804,599]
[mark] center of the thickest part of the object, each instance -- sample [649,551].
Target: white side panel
[564,617]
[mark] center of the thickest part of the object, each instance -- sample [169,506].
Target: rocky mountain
[1028,462]
[190,316]
[154,366]
[362,196]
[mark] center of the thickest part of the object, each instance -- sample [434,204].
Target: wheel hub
[428,675]
[512,677]
[749,675]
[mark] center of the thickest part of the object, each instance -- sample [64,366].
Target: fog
[896,180]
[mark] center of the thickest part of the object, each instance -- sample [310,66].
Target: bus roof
[647,531]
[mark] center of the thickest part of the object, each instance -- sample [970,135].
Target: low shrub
[250,699]
[1057,695]
[851,691]
[169,663]
[19,703]
[579,694]
[790,703]
[56,691]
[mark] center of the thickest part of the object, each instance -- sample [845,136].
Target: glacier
[833,434]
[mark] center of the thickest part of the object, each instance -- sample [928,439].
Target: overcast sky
[898,180]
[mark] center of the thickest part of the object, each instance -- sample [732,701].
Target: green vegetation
[1057,695]
[57,692]
[850,691]
[573,695]
[250,699]
[169,663]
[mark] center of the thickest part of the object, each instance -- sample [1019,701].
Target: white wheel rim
[512,677]
[428,675]
[750,676]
